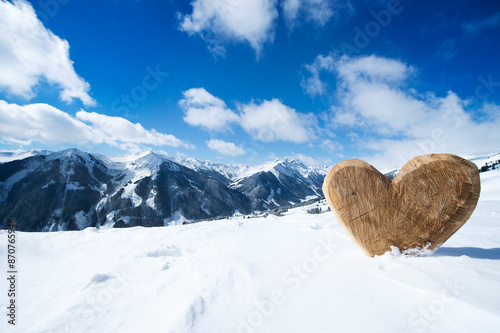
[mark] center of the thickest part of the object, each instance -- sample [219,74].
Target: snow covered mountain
[278,183]
[72,189]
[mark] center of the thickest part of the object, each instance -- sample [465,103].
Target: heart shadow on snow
[472,252]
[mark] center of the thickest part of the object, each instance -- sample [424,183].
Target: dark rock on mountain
[71,190]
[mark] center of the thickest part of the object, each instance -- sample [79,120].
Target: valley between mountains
[73,189]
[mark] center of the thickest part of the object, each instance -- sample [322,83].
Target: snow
[236,172]
[481,160]
[131,168]
[81,219]
[151,200]
[129,192]
[109,221]
[309,197]
[72,186]
[144,163]
[277,167]
[7,185]
[270,197]
[136,166]
[490,185]
[48,184]
[176,219]
[229,171]
[295,273]
[205,209]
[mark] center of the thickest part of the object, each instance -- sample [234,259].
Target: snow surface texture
[295,273]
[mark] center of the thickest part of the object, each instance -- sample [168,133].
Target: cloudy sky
[245,81]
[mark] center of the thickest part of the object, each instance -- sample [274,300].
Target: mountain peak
[72,154]
[148,188]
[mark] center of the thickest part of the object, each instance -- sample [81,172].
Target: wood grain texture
[431,197]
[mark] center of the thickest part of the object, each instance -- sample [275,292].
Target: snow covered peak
[74,155]
[140,164]
[71,153]
[290,163]
[148,159]
[289,167]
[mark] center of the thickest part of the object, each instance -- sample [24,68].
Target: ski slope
[294,273]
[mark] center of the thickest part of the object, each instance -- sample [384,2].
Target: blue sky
[237,81]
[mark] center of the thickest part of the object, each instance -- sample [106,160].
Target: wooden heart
[431,197]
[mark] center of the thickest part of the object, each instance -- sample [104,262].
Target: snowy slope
[295,273]
[235,172]
[230,171]
[480,160]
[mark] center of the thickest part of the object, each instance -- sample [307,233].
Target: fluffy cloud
[273,121]
[205,110]
[401,123]
[120,130]
[331,146]
[313,85]
[30,53]
[371,68]
[254,21]
[216,22]
[225,148]
[43,123]
[267,121]
[46,124]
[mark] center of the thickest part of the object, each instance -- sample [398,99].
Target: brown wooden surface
[431,197]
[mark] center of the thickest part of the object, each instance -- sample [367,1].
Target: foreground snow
[295,273]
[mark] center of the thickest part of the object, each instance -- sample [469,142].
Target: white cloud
[254,21]
[370,95]
[369,68]
[382,108]
[46,124]
[399,123]
[317,11]
[474,27]
[205,110]
[268,121]
[331,146]
[120,130]
[30,53]
[372,68]
[250,21]
[43,123]
[313,85]
[272,121]
[225,148]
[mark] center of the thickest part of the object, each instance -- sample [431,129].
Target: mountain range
[73,189]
